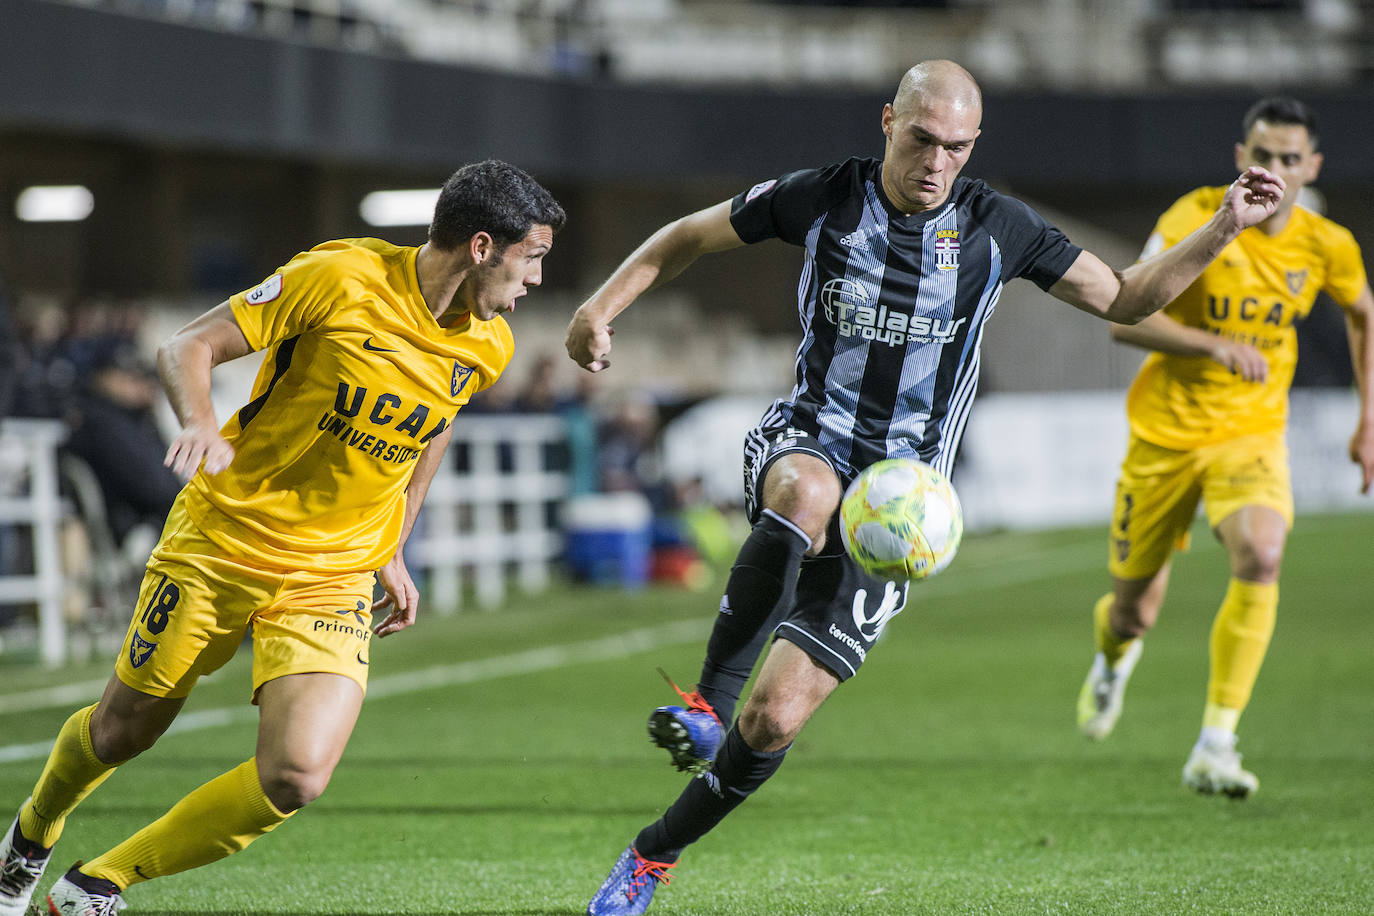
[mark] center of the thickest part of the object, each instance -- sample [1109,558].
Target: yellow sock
[1240,637]
[216,820]
[70,774]
[1109,643]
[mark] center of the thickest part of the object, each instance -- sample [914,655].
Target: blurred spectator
[625,438]
[84,367]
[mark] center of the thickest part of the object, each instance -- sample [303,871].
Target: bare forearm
[662,256]
[1362,361]
[1161,333]
[1149,285]
[183,365]
[426,466]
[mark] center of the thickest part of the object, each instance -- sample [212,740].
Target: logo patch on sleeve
[759,188]
[265,291]
[461,374]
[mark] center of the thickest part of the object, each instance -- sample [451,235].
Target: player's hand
[401,596]
[1242,359]
[588,341]
[1362,453]
[194,444]
[1253,197]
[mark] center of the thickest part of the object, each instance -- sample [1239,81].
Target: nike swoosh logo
[367,345]
[139,871]
[360,659]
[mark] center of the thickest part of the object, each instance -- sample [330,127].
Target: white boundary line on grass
[545,658]
[1018,568]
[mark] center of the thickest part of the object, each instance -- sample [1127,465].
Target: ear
[1315,169]
[1240,156]
[889,116]
[481,247]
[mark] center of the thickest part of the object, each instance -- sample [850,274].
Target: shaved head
[934,81]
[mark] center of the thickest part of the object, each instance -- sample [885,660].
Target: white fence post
[486,519]
[33,444]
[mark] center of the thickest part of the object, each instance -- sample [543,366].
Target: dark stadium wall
[214,155]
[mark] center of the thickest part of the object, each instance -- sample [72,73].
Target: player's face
[927,146]
[500,280]
[1284,149]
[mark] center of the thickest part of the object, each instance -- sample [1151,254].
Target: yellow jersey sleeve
[1254,293]
[357,381]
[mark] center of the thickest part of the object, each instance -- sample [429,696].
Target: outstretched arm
[1164,334]
[1358,318]
[184,362]
[664,255]
[1149,285]
[401,595]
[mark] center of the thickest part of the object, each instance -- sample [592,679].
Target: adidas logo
[725,605]
[854,240]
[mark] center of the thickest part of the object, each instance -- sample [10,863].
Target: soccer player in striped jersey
[295,507]
[903,262]
[1207,416]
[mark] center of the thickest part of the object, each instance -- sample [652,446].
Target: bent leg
[305,722]
[89,746]
[791,686]
[800,493]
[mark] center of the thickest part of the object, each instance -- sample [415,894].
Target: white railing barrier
[478,522]
[29,497]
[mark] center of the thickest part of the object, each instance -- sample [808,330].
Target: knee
[765,727]
[808,502]
[116,739]
[291,786]
[1134,618]
[1257,560]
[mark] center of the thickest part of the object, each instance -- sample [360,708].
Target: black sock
[761,586]
[736,773]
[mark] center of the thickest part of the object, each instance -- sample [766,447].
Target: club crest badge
[460,378]
[947,249]
[1296,280]
[139,650]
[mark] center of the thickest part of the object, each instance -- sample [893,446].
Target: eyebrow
[920,129]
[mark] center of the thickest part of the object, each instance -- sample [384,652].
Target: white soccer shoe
[1104,692]
[1214,769]
[76,894]
[19,874]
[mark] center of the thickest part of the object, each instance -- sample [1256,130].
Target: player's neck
[438,275]
[1276,222]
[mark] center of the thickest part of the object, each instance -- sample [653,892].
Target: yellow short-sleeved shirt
[359,378]
[1255,292]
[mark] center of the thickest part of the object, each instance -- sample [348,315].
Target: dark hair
[1280,109]
[493,197]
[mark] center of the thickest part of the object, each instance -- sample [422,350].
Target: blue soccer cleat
[691,734]
[629,888]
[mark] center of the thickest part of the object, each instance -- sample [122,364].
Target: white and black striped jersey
[893,305]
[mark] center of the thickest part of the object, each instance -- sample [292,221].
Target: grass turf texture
[949,778]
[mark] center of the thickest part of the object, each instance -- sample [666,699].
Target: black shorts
[840,610]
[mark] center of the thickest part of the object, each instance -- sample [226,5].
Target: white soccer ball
[901,518]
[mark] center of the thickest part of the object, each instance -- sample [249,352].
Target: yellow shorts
[1159,489]
[196,605]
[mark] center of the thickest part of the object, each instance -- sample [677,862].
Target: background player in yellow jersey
[1207,416]
[304,493]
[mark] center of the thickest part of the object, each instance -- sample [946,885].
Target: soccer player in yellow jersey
[1207,415]
[296,506]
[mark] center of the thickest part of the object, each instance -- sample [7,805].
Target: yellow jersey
[359,378]
[1255,292]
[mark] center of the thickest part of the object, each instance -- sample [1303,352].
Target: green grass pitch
[947,779]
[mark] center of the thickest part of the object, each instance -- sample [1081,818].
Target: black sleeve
[1031,247]
[786,208]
